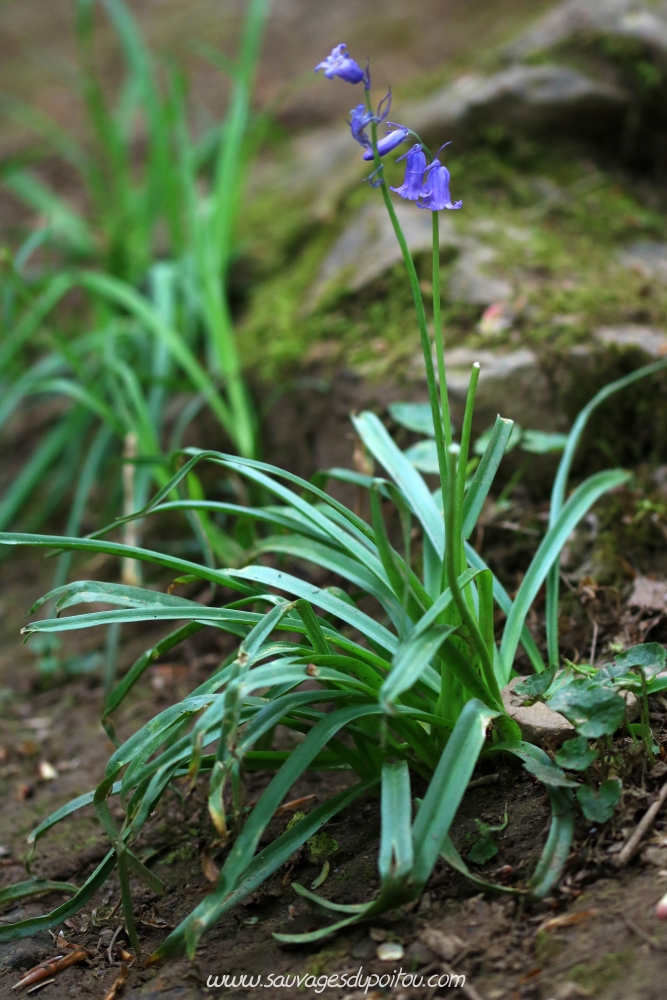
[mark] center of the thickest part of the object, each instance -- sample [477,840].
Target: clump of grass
[151,255]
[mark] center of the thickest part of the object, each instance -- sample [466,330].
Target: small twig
[45,969]
[595,640]
[118,982]
[486,779]
[636,929]
[44,982]
[112,943]
[631,847]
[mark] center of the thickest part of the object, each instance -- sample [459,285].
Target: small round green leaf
[575,754]
[599,806]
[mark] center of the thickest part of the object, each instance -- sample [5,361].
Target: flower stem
[453,510]
[437,331]
[421,316]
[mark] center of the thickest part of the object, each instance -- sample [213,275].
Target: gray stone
[649,340]
[368,247]
[510,383]
[650,595]
[542,726]
[539,724]
[620,17]
[469,283]
[25,952]
[648,257]
[528,95]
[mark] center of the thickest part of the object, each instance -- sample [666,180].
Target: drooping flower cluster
[426,185]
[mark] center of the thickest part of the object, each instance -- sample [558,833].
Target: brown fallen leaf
[24,791]
[49,966]
[209,867]
[650,595]
[294,804]
[118,982]
[28,748]
[567,920]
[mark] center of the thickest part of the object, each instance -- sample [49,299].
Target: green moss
[595,976]
[547,946]
[555,221]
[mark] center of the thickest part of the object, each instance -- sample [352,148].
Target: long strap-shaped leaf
[376,438]
[559,488]
[576,507]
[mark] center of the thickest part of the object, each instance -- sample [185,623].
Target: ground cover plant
[151,255]
[405,651]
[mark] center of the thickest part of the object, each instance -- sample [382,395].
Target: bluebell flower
[411,188]
[389,142]
[339,63]
[361,117]
[435,191]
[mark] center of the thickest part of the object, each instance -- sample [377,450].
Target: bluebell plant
[406,662]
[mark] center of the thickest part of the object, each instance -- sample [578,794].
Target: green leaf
[541,443]
[537,685]
[424,456]
[485,474]
[34,887]
[559,487]
[448,786]
[485,846]
[599,806]
[575,754]
[649,656]
[549,774]
[548,552]
[593,708]
[561,831]
[454,859]
[374,435]
[415,416]
[219,902]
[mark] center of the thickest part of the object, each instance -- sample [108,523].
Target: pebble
[390,951]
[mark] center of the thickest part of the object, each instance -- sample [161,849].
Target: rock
[655,856]
[649,340]
[368,247]
[624,17]
[648,257]
[510,383]
[539,724]
[650,595]
[445,946]
[390,951]
[527,96]
[25,952]
[542,726]
[469,284]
